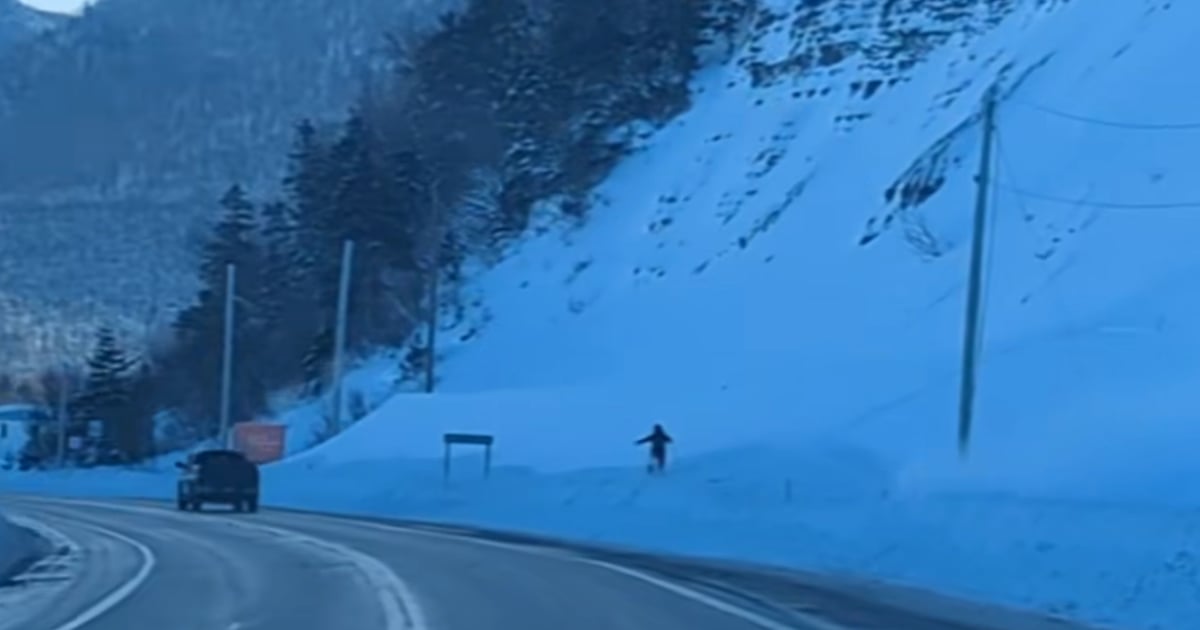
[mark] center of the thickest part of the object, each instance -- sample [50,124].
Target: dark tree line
[108,409]
[511,104]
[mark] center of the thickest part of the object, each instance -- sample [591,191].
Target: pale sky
[61,6]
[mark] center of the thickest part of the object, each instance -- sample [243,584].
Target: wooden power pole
[966,401]
[339,335]
[227,354]
[435,272]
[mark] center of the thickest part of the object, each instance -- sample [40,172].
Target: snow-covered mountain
[806,232]
[100,204]
[101,197]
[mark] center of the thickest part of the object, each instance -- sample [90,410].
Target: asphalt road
[124,565]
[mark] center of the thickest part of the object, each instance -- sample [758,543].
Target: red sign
[261,443]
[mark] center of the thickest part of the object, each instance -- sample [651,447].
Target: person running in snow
[658,441]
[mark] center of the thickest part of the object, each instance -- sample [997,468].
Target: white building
[15,421]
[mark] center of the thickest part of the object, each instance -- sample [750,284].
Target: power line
[1106,205]
[1185,126]
[1007,172]
[1049,284]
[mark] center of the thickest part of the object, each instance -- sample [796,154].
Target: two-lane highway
[147,568]
[144,566]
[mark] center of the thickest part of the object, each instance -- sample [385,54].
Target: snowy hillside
[101,204]
[785,264]
[763,268]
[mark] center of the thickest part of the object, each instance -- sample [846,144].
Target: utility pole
[435,272]
[339,341]
[966,401]
[227,354]
[63,386]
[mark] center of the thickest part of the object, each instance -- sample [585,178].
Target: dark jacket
[658,440]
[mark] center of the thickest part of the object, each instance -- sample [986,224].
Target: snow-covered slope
[752,274]
[785,265]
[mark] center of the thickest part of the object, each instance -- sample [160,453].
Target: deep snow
[720,287]
[652,312]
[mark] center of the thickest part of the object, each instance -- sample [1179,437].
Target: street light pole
[63,386]
[227,353]
[339,341]
[435,272]
[966,402]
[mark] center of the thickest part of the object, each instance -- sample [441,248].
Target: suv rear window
[218,457]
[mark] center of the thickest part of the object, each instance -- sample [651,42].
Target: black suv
[218,476]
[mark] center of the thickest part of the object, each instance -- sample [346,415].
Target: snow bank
[830,508]
[17,547]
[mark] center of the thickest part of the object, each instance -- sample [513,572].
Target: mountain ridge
[115,213]
[101,205]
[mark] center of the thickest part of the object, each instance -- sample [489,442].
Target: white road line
[400,607]
[401,611]
[122,592]
[452,535]
[810,622]
[57,539]
[384,579]
[45,578]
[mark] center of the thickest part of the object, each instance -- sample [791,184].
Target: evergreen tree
[381,200]
[106,395]
[409,219]
[201,327]
[309,185]
[282,302]
[508,104]
[279,262]
[233,242]
[317,355]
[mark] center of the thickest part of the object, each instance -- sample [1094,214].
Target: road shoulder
[842,600]
[20,548]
